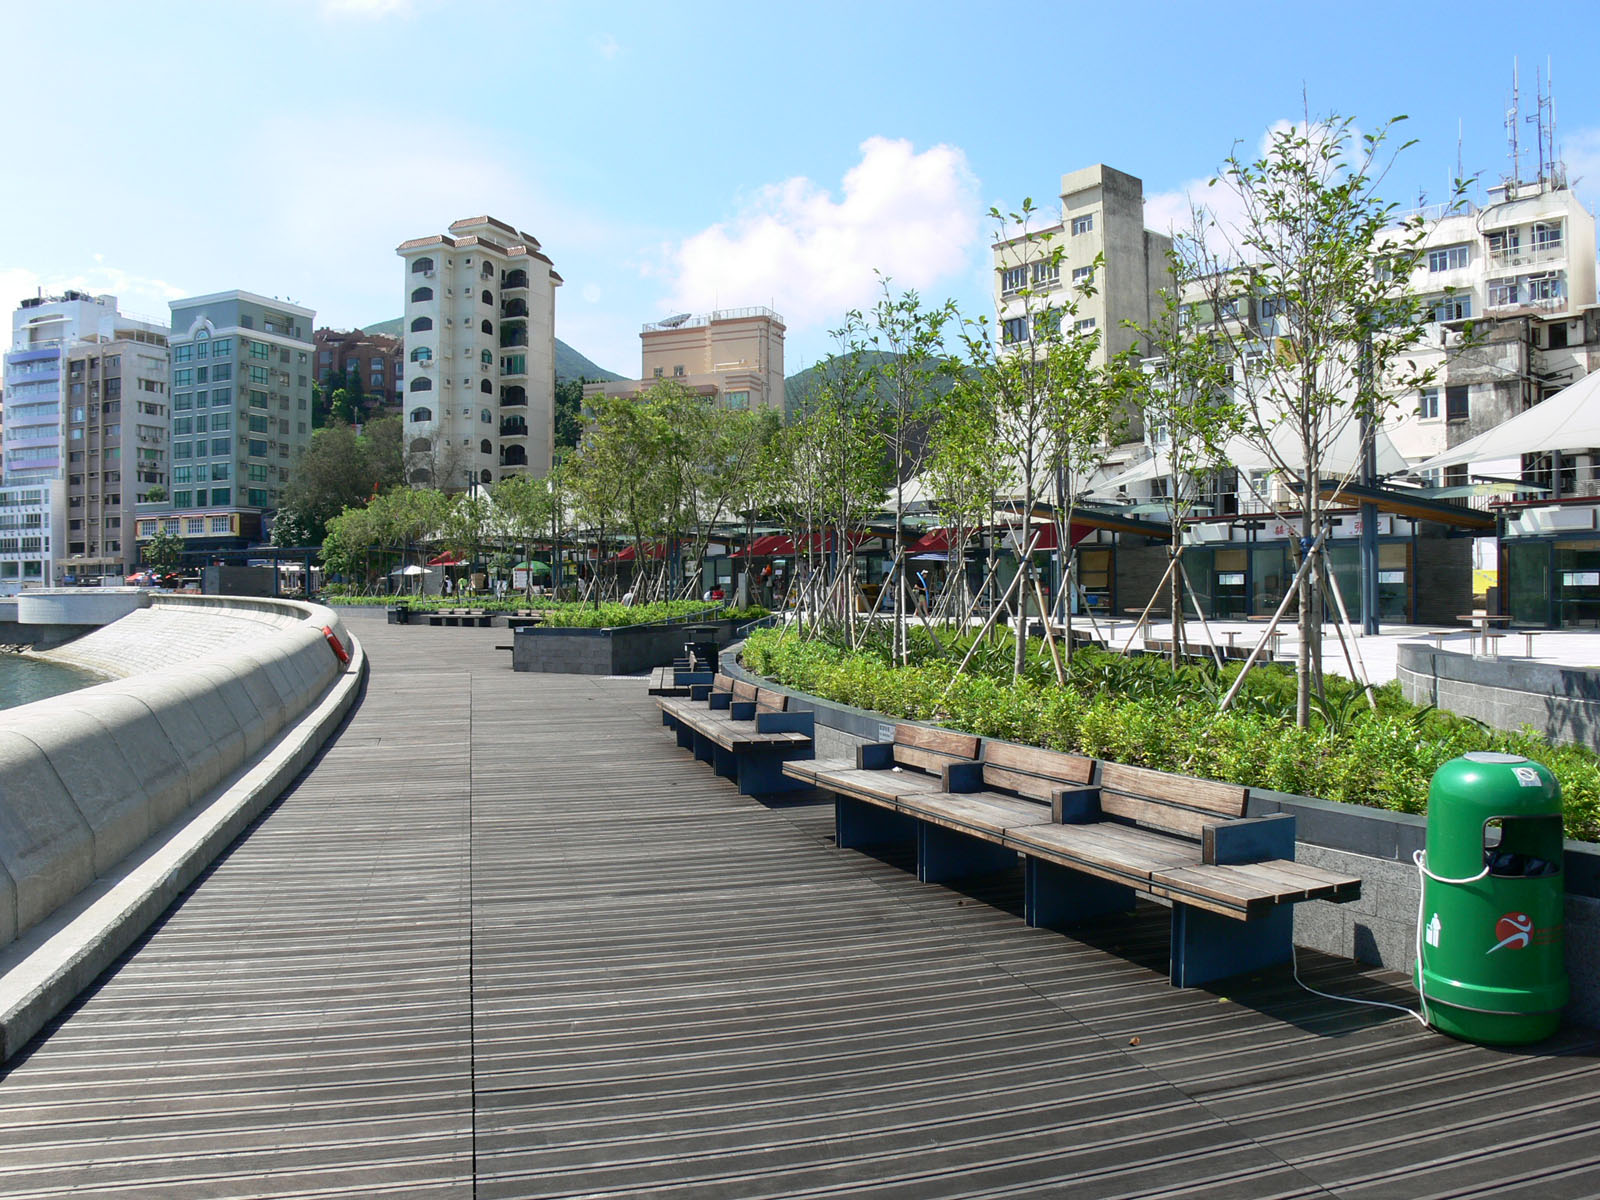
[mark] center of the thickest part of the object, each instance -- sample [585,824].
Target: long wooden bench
[476,618]
[676,680]
[745,732]
[1093,837]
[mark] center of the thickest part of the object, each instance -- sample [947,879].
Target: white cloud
[608,46]
[794,245]
[363,10]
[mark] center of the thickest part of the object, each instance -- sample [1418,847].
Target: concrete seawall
[205,690]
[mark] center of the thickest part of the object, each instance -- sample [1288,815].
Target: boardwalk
[504,939]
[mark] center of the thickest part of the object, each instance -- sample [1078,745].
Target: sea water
[24,680]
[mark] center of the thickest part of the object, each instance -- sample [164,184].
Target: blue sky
[677,156]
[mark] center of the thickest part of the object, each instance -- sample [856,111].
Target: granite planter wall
[623,650]
[1563,703]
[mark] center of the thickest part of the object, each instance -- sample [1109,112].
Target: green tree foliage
[164,552]
[569,412]
[340,469]
[1334,260]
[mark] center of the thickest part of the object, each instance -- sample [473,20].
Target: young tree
[164,551]
[1189,415]
[907,341]
[1334,262]
[966,470]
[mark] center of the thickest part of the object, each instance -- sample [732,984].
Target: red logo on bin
[1515,931]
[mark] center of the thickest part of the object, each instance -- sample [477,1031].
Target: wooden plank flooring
[504,939]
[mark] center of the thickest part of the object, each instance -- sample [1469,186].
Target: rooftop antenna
[1511,129]
[1540,100]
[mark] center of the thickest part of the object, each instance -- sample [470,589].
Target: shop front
[1550,564]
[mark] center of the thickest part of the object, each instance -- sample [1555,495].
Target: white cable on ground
[1419,857]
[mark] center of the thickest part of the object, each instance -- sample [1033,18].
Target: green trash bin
[1490,946]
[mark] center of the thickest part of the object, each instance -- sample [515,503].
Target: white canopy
[1569,420]
[413,569]
[1340,456]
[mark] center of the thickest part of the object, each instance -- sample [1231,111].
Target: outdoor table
[1480,627]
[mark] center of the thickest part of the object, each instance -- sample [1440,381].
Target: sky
[687,157]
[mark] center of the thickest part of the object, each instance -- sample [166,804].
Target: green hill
[798,388]
[569,363]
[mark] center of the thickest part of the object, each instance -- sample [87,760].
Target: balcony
[513,427]
[514,308]
[513,337]
[513,397]
[514,279]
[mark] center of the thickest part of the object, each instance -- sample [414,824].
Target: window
[486,357]
[422,325]
[486,387]
[1083,224]
[179,354]
[194,524]
[222,524]
[1449,258]
[421,265]
[221,398]
[182,401]
[222,445]
[221,346]
[1504,241]
[200,423]
[1547,236]
[422,354]
[1083,326]
[202,375]
[421,294]
[658,372]
[222,495]
[1544,287]
[221,470]
[182,474]
[1082,275]
[258,474]
[1502,293]
[515,364]
[1047,274]
[1456,307]
[1014,330]
[484,447]
[256,497]
[258,399]
[1556,336]
[260,350]
[1428,404]
[737,399]
[258,448]
[221,420]
[488,296]
[181,450]
[221,372]
[1047,324]
[258,423]
[1455,402]
[1013,279]
[418,414]
[677,371]
[484,416]
[487,329]
[260,376]
[422,384]
[182,426]
[181,499]
[183,378]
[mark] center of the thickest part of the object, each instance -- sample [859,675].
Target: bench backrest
[1029,771]
[768,700]
[744,691]
[1174,803]
[931,749]
[722,683]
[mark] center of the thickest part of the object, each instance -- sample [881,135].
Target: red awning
[781,546]
[447,559]
[935,541]
[627,553]
[1047,535]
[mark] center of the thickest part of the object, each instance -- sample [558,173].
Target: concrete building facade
[479,355]
[732,356]
[241,414]
[87,385]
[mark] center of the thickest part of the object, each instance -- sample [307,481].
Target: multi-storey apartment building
[480,355]
[734,356]
[1102,217]
[378,360]
[87,436]
[241,414]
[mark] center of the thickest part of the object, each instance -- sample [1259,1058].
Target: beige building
[734,356]
[1102,214]
[480,362]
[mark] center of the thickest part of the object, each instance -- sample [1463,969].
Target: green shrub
[1140,711]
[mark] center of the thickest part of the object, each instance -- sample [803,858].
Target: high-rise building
[480,355]
[87,437]
[1102,217]
[377,359]
[733,356]
[241,413]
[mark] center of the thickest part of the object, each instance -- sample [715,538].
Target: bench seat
[746,733]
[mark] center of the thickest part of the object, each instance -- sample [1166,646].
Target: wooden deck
[505,939]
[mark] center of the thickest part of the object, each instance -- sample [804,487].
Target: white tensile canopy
[1569,420]
[1341,455]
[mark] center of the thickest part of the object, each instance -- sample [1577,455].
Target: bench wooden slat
[1224,799]
[723,683]
[1112,852]
[768,700]
[878,787]
[1170,817]
[744,690]
[938,741]
[980,811]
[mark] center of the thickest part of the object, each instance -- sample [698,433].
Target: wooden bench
[475,618]
[676,680]
[745,732]
[1092,838]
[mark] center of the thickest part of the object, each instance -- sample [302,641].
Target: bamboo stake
[1288,595]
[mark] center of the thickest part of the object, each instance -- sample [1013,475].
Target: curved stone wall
[201,686]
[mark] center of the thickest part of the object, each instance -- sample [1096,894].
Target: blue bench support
[760,772]
[1057,897]
[943,854]
[1206,946]
[1248,840]
[857,824]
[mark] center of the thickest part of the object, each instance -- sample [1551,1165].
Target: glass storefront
[1552,583]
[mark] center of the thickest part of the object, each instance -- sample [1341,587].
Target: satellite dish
[673,322]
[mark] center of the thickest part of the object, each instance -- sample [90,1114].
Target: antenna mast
[1511,130]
